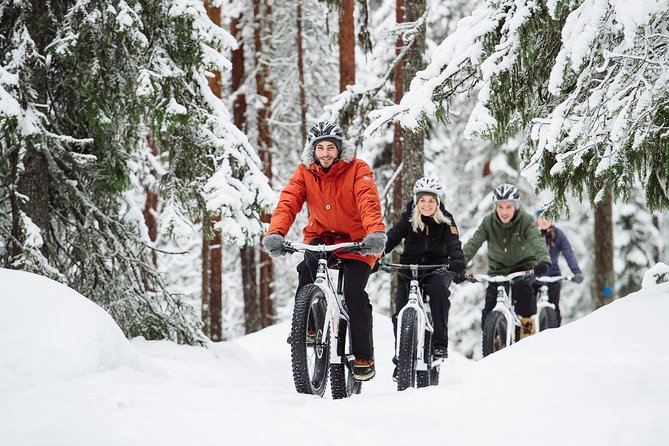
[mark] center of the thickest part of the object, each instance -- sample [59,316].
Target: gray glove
[374,244]
[578,278]
[273,243]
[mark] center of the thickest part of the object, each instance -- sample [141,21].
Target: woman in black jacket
[430,238]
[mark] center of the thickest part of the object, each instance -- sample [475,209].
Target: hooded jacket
[343,203]
[514,246]
[437,243]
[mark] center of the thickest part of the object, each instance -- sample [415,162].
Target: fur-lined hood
[347,154]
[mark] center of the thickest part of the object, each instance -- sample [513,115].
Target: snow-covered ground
[69,377]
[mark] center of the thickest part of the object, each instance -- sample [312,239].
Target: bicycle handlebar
[498,279]
[291,247]
[388,267]
[551,279]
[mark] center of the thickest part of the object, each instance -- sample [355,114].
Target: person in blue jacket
[557,243]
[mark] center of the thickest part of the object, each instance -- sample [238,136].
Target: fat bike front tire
[342,383]
[547,318]
[434,375]
[310,353]
[423,377]
[406,372]
[494,332]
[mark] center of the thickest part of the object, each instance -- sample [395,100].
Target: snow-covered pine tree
[82,86]
[588,78]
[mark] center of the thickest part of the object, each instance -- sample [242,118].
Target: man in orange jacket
[343,206]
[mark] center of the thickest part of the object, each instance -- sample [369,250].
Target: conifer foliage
[83,85]
[587,78]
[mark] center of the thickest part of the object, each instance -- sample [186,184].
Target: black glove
[374,244]
[458,269]
[578,278]
[273,243]
[541,268]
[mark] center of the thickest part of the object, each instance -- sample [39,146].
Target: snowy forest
[144,143]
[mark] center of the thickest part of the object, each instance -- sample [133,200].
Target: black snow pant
[356,274]
[435,285]
[524,300]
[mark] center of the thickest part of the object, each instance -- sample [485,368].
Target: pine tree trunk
[247,254]
[604,273]
[346,44]
[216,293]
[32,181]
[206,272]
[215,248]
[398,145]
[262,12]
[151,208]
[413,159]
[300,72]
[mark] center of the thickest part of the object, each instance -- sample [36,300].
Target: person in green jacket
[514,244]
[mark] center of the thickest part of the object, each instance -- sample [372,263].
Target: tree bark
[32,182]
[206,272]
[398,145]
[151,208]
[262,11]
[215,248]
[300,72]
[604,274]
[346,44]
[414,159]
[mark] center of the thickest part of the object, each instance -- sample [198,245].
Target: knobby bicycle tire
[494,332]
[310,360]
[342,384]
[547,318]
[406,372]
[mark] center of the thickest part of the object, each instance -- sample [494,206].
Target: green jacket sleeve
[474,243]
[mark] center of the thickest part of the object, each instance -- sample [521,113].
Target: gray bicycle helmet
[325,130]
[506,192]
[427,186]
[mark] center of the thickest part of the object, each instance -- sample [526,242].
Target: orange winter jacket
[343,204]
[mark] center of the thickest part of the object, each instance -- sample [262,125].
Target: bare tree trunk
[604,274]
[414,159]
[262,11]
[215,251]
[247,254]
[398,145]
[32,181]
[300,71]
[151,208]
[206,272]
[216,296]
[346,44]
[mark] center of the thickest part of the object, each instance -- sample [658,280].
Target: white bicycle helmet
[325,130]
[506,192]
[429,186]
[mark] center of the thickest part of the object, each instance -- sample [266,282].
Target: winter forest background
[144,143]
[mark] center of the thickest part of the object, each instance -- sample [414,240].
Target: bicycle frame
[422,311]
[504,302]
[542,295]
[336,305]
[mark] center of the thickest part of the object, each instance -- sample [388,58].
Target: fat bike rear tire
[434,375]
[406,372]
[547,318]
[494,332]
[310,358]
[342,384]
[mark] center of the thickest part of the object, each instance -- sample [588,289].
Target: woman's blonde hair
[417,222]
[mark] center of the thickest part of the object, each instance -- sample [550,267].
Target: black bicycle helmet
[325,130]
[505,192]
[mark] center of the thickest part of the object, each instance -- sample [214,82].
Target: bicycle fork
[503,306]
